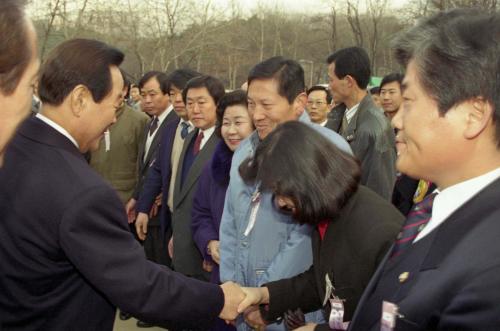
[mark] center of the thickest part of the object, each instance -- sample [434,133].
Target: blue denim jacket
[275,247]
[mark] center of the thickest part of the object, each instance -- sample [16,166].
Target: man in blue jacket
[257,243]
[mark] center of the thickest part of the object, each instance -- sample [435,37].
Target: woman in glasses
[354,227]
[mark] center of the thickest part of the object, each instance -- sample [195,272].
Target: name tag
[389,316]
[336,320]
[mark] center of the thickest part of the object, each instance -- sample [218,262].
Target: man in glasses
[318,102]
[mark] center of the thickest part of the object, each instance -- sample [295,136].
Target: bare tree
[333,28]
[354,21]
[53,7]
[376,10]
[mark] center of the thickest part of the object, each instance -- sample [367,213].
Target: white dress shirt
[349,113]
[453,197]
[58,128]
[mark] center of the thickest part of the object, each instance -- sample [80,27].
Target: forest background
[225,39]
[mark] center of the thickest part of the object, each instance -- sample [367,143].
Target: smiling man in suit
[68,256]
[443,272]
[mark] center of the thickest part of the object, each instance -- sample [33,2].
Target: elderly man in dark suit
[359,121]
[68,256]
[18,68]
[443,272]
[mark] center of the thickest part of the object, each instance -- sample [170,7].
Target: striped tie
[417,219]
[154,126]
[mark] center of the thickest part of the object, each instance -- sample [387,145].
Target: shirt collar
[207,133]
[456,195]
[184,121]
[58,128]
[450,199]
[349,113]
[164,115]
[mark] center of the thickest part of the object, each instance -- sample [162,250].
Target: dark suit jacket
[146,163]
[332,125]
[404,190]
[158,177]
[353,246]
[68,257]
[373,142]
[187,259]
[454,274]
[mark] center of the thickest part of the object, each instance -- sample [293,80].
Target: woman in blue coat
[233,125]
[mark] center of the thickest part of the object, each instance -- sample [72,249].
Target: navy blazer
[145,163]
[449,279]
[158,177]
[68,257]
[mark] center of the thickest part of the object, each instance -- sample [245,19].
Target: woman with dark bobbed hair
[319,185]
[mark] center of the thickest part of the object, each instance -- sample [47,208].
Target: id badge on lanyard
[336,320]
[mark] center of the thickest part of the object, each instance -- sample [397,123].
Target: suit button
[244,244]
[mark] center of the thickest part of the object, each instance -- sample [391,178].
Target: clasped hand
[244,300]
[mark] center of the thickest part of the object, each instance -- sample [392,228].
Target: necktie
[417,219]
[197,143]
[154,126]
[184,129]
[344,125]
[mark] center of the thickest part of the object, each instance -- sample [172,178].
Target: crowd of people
[276,206]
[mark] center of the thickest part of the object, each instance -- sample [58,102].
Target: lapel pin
[404,277]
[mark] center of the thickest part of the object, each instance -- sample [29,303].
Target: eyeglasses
[316,103]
